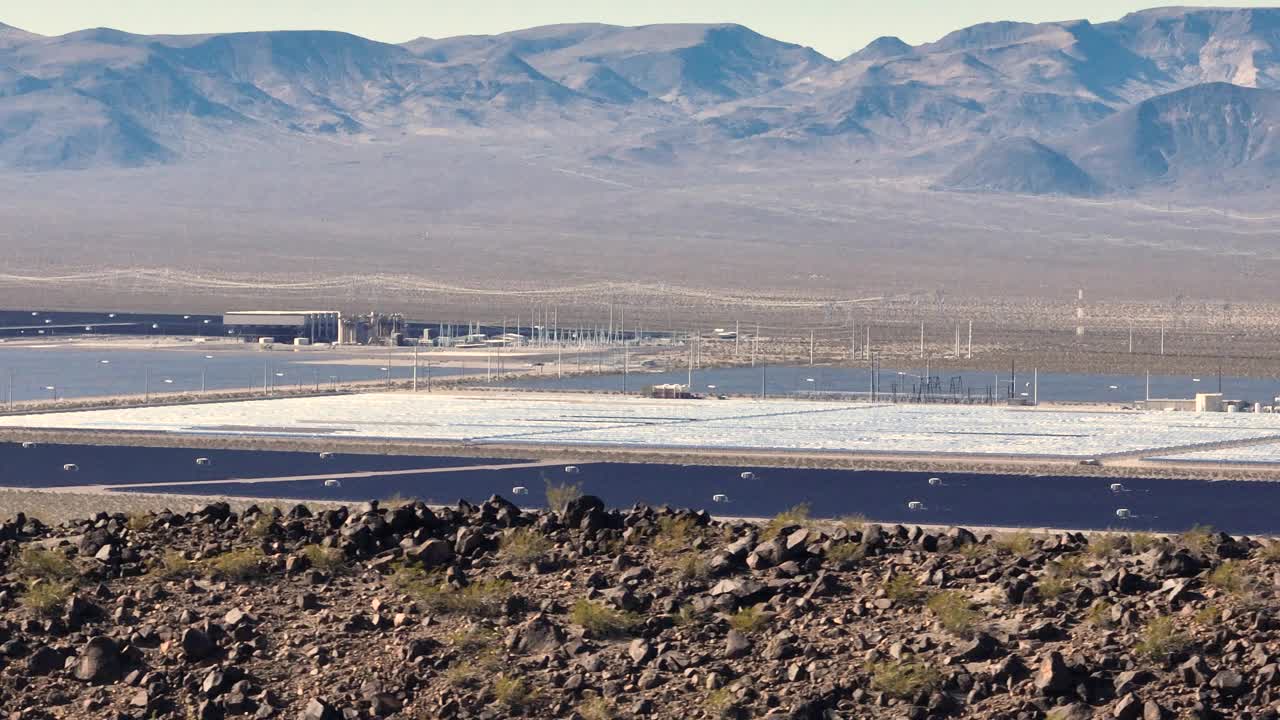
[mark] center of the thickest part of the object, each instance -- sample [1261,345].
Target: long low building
[313,325]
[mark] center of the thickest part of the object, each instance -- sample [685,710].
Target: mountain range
[1166,99]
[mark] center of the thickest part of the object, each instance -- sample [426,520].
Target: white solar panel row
[730,424]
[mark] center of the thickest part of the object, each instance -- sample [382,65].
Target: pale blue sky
[833,27]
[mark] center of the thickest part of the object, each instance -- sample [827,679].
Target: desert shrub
[328,559]
[560,495]
[512,693]
[525,545]
[1018,543]
[797,515]
[687,615]
[1104,546]
[261,526]
[1207,616]
[243,564]
[470,672]
[1199,538]
[1231,576]
[47,598]
[41,564]
[854,523]
[482,598]
[1051,587]
[691,566]
[139,521]
[1067,566]
[1099,614]
[902,588]
[903,679]
[1270,553]
[597,707]
[1160,639]
[473,640]
[675,534]
[748,620]
[954,612]
[1141,542]
[720,703]
[172,564]
[975,551]
[396,500]
[843,553]
[601,620]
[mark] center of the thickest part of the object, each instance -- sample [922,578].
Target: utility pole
[689,381]
[921,339]
[866,346]
[970,340]
[810,348]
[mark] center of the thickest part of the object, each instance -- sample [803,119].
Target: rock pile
[492,611]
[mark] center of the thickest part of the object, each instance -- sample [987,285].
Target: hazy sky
[834,27]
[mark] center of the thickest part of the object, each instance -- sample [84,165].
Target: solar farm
[736,424]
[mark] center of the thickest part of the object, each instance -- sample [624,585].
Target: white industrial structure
[311,325]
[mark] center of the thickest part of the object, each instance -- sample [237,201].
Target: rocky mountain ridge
[666,94]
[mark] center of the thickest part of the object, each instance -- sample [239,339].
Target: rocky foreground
[493,612]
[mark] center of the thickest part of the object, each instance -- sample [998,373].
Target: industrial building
[284,325]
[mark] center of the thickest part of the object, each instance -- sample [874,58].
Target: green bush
[597,707]
[1099,614]
[955,613]
[675,534]
[139,521]
[241,565]
[1199,538]
[41,564]
[172,564]
[1052,587]
[691,566]
[902,588]
[854,523]
[46,598]
[1270,553]
[798,515]
[512,693]
[261,526]
[843,553]
[749,620]
[720,703]
[327,559]
[525,545]
[482,598]
[1161,639]
[1019,544]
[1104,546]
[1141,542]
[559,496]
[904,680]
[1231,576]
[602,621]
